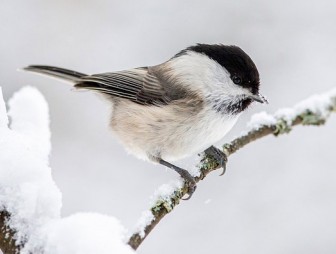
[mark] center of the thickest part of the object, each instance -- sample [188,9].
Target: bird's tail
[56,72]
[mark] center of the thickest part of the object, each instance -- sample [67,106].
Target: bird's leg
[184,174]
[219,156]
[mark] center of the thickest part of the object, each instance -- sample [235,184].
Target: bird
[178,108]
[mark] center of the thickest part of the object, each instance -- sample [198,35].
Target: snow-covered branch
[312,111]
[30,202]
[28,195]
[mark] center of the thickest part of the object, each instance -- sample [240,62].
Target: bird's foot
[187,177]
[219,156]
[190,181]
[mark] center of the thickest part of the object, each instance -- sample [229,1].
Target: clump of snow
[29,114]
[27,190]
[31,197]
[316,104]
[145,219]
[286,114]
[195,169]
[261,119]
[81,233]
[165,191]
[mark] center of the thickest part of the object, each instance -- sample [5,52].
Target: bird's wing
[138,85]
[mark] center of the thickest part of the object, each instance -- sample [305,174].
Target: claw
[191,189]
[219,156]
[224,169]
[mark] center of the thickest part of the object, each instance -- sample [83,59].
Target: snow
[29,116]
[195,169]
[165,192]
[29,194]
[83,233]
[145,219]
[261,119]
[27,190]
[162,194]
[317,104]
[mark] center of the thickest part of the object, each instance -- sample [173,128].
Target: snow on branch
[30,202]
[312,111]
[28,195]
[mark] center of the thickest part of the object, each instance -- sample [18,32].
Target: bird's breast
[170,132]
[207,128]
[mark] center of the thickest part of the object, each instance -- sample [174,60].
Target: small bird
[166,112]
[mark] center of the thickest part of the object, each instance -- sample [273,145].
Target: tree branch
[7,239]
[313,111]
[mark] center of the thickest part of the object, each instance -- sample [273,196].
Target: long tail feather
[56,72]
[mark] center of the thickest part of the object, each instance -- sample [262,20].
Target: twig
[313,111]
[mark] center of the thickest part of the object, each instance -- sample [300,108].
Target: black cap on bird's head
[242,70]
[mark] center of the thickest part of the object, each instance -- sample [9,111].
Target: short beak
[258,97]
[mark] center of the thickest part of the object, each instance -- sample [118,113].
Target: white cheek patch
[203,75]
[198,72]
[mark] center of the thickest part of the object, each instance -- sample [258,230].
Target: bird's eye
[237,80]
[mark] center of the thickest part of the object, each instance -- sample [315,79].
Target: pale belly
[199,136]
[170,135]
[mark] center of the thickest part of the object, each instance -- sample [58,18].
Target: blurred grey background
[278,195]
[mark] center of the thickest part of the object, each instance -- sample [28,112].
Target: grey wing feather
[138,85]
